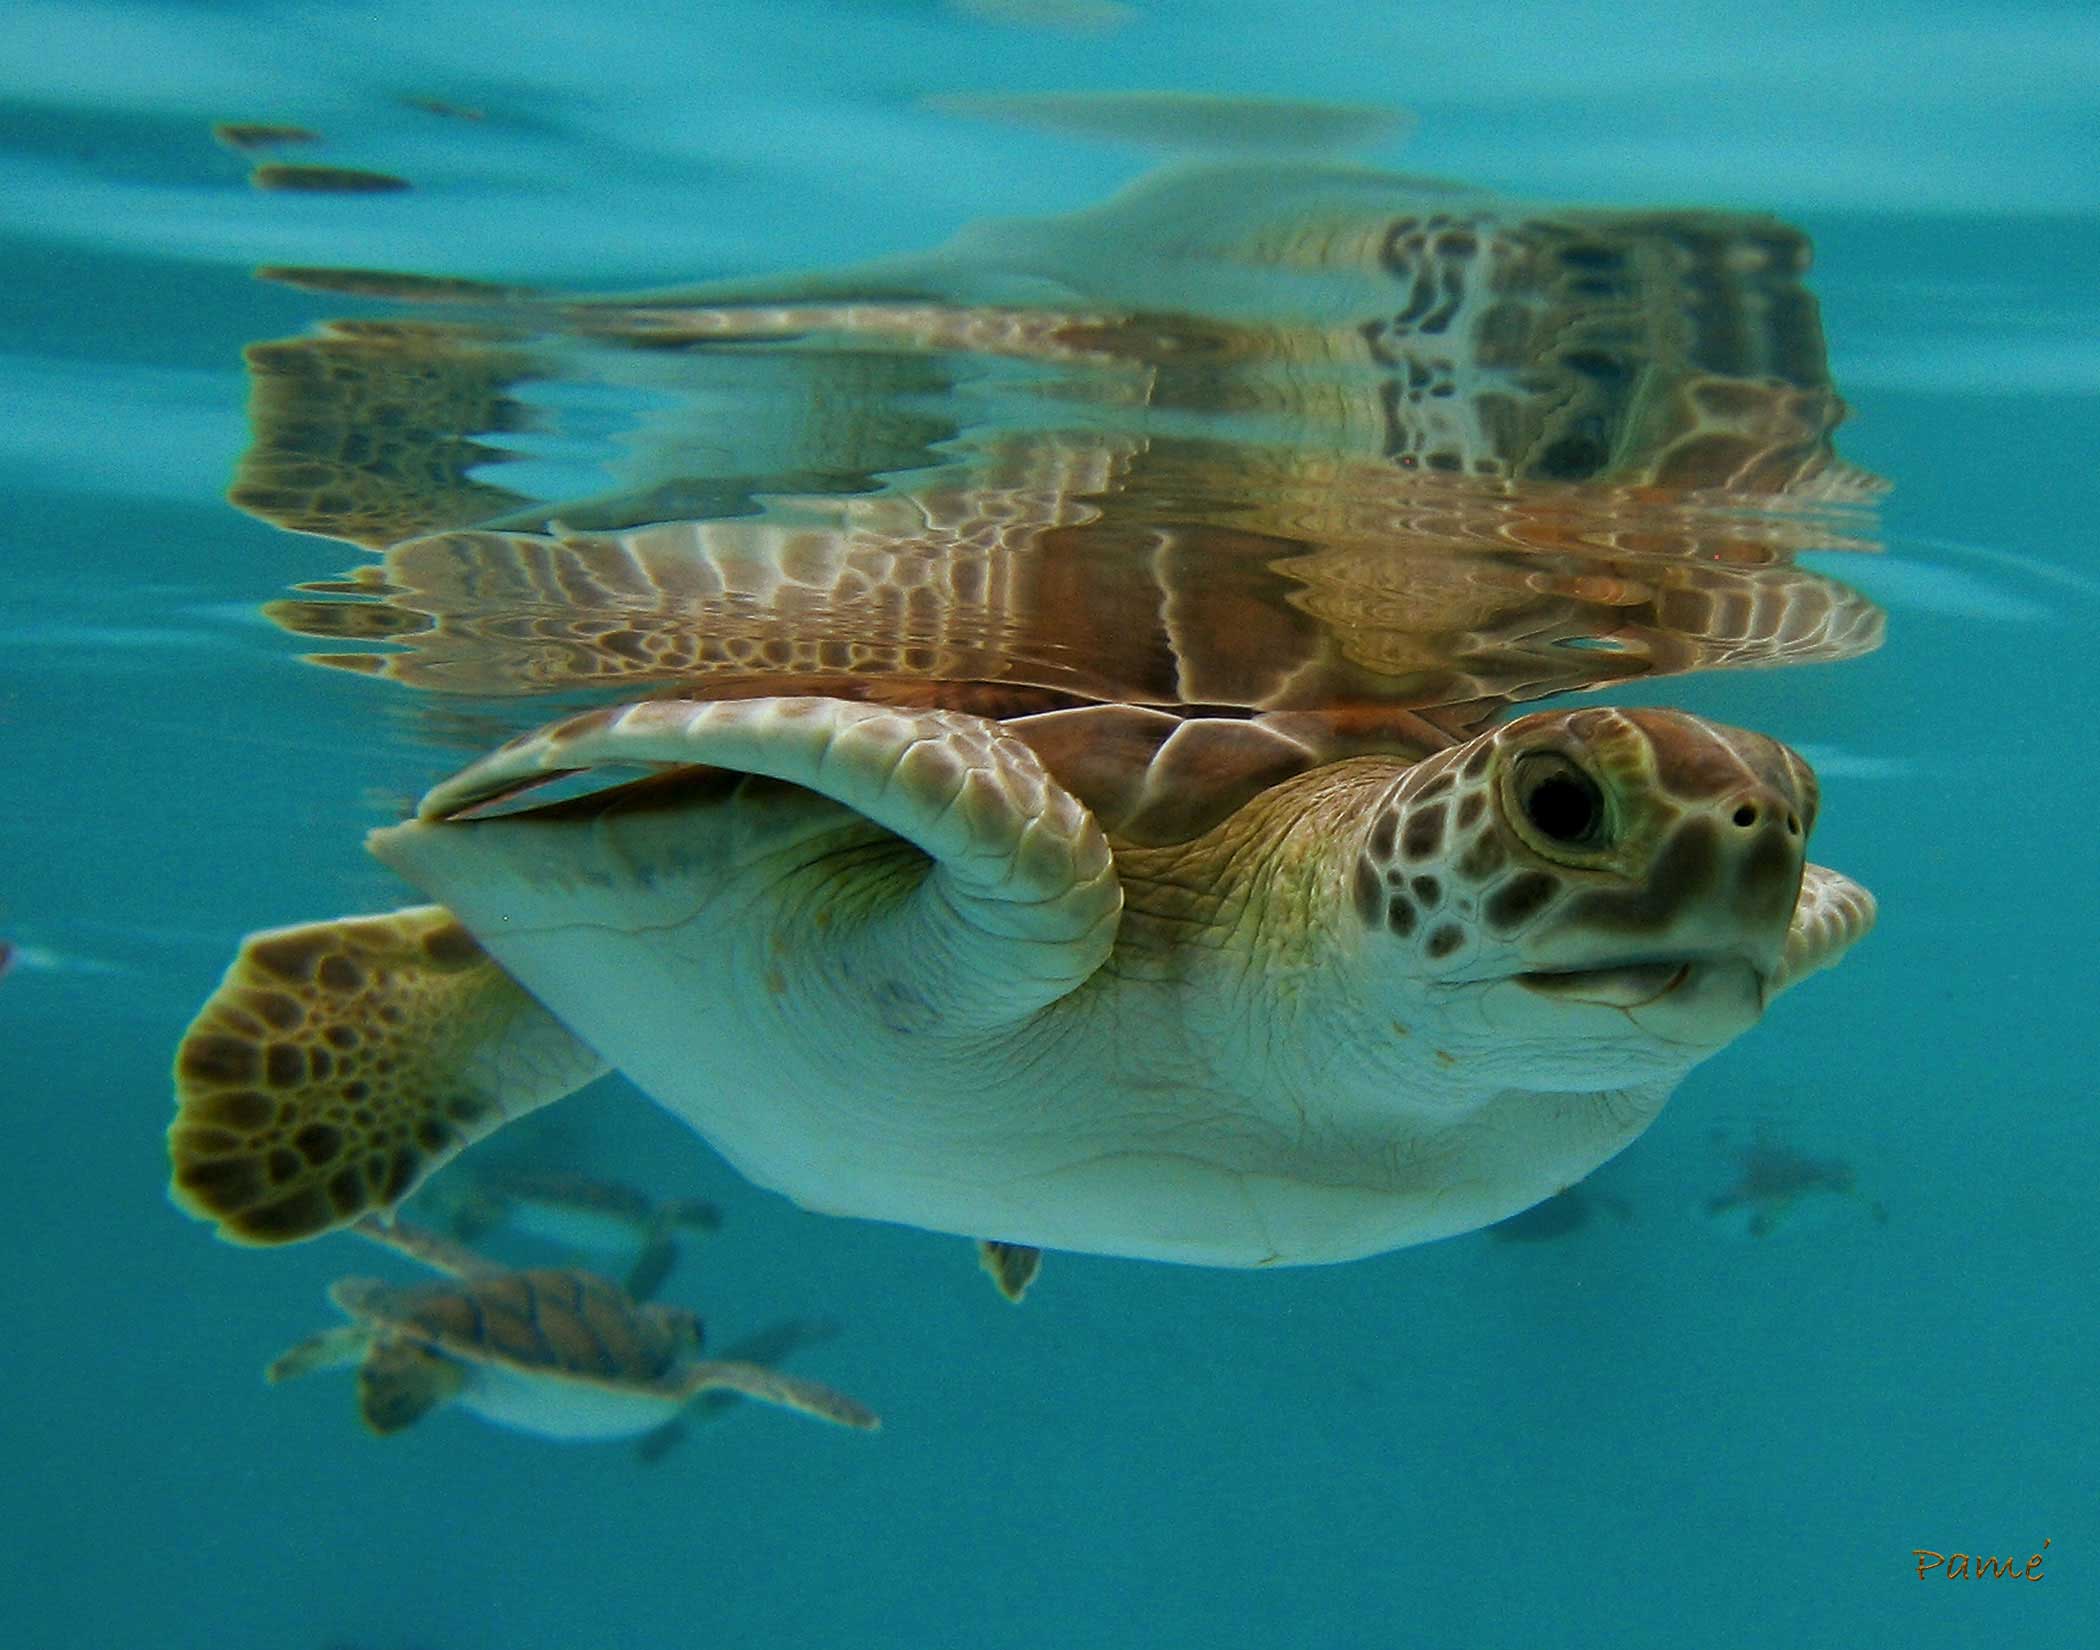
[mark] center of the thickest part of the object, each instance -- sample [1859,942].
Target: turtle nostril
[1793,825]
[1746,815]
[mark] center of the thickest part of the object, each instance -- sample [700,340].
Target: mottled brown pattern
[1699,840]
[1368,890]
[312,1086]
[561,1321]
[368,432]
[1515,902]
[1483,857]
[1423,834]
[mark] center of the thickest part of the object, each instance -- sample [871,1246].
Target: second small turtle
[598,1221]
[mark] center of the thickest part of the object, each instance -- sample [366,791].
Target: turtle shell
[564,1323]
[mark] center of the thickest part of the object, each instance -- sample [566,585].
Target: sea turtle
[561,1353]
[896,962]
[587,1215]
[1075,817]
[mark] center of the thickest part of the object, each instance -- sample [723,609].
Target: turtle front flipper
[1831,915]
[340,1063]
[1020,904]
[400,1382]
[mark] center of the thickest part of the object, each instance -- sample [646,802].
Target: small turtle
[891,964]
[581,1213]
[564,1354]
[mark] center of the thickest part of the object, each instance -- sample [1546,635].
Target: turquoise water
[1655,1428]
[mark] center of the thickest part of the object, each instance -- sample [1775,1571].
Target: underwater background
[1664,1420]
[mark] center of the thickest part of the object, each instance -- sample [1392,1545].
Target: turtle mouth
[1626,985]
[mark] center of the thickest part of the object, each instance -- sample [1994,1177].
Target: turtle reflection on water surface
[1088,867]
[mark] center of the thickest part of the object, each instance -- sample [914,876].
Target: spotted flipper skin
[340,1063]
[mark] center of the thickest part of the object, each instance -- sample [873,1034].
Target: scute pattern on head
[1687,814]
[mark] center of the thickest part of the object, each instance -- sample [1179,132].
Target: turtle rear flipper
[652,1447]
[771,1386]
[340,1063]
[651,1266]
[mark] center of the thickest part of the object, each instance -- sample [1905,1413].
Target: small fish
[325,180]
[248,135]
[1778,1184]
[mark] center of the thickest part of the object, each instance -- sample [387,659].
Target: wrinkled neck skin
[1244,955]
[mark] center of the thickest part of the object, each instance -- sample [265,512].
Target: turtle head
[1629,886]
[681,1329]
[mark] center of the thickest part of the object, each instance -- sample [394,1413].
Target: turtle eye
[1560,801]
